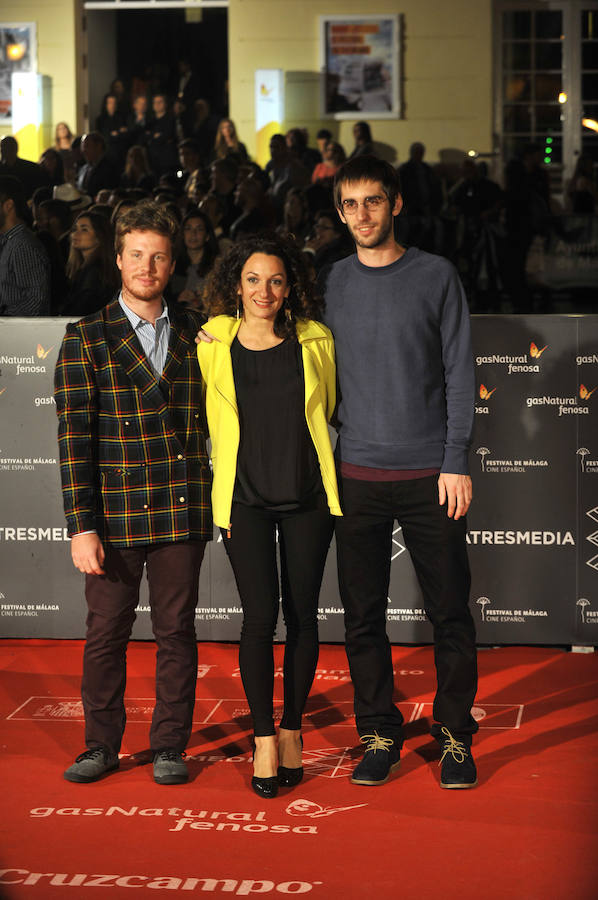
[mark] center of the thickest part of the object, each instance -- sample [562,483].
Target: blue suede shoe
[381,757]
[457,768]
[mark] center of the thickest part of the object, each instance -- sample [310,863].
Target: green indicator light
[549,149]
[549,140]
[547,160]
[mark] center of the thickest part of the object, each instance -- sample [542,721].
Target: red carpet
[529,830]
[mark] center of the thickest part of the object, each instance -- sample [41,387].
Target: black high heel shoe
[290,777]
[267,788]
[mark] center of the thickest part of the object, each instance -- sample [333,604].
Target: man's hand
[88,553]
[204,336]
[456,492]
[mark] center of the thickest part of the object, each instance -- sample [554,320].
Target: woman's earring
[238,307]
[287,310]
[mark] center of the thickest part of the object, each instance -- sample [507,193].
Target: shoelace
[375,742]
[92,754]
[171,755]
[457,750]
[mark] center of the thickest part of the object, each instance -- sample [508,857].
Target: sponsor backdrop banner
[532,529]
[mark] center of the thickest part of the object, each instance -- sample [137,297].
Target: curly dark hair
[221,295]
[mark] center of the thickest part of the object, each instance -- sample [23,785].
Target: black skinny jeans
[304,537]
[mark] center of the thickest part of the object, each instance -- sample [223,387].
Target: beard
[379,236]
[144,293]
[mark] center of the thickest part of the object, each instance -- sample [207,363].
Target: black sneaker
[91,765]
[169,767]
[457,766]
[381,757]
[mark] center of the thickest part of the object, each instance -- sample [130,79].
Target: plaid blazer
[133,457]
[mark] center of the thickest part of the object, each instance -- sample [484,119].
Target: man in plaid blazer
[136,490]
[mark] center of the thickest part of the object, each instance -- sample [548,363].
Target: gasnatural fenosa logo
[521,363]
[315,811]
[535,352]
[26,365]
[485,393]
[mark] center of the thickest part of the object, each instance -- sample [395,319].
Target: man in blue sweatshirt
[401,328]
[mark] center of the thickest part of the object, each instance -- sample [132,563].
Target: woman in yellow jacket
[270,390]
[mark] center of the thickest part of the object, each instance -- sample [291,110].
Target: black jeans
[304,538]
[438,551]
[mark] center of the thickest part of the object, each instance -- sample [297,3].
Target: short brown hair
[147,216]
[367,168]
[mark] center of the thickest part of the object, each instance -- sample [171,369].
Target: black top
[277,465]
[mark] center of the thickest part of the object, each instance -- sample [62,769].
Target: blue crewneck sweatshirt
[404,362]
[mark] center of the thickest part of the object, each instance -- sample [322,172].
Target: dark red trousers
[173,579]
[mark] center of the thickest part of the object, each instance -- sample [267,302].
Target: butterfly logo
[535,352]
[41,353]
[584,393]
[314,810]
[485,393]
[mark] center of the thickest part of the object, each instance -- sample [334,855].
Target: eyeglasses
[350,207]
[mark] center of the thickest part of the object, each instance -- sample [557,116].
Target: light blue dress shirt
[154,341]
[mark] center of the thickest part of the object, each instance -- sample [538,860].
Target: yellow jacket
[317,348]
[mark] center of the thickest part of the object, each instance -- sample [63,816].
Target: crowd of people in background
[57,216]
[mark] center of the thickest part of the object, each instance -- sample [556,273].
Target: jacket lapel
[225,329]
[128,353]
[310,373]
[178,347]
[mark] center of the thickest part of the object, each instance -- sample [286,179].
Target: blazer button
[145,505]
[127,422]
[182,499]
[180,456]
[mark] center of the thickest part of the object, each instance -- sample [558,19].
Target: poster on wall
[359,60]
[17,54]
[269,109]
